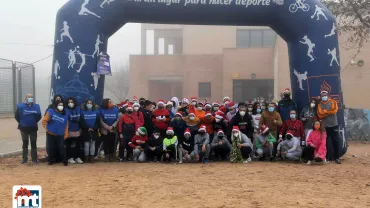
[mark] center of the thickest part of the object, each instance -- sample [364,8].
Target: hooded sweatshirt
[245,124]
[327,111]
[176,105]
[224,140]
[262,139]
[294,145]
[284,107]
[318,139]
[179,127]
[199,141]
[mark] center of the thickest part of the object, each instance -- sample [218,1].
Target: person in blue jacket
[75,154]
[90,122]
[179,126]
[28,114]
[55,121]
[285,105]
[108,127]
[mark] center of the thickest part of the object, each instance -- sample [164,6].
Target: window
[248,38]
[204,90]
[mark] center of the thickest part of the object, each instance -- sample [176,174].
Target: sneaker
[309,162]
[338,161]
[96,157]
[71,160]
[247,160]
[35,162]
[206,161]
[79,161]
[324,162]
[24,161]
[180,162]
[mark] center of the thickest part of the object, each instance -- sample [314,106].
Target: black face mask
[266,134]
[161,107]
[221,136]
[288,137]
[287,96]
[129,112]
[202,133]
[170,136]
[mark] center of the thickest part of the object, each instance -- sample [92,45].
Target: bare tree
[117,86]
[353,17]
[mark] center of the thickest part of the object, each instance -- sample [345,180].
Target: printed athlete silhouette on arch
[303,24]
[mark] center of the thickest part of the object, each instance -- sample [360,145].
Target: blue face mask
[29,100]
[89,106]
[324,98]
[271,109]
[293,116]
[258,110]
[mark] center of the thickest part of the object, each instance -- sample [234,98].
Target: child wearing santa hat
[139,143]
[170,143]
[201,145]
[265,143]
[186,147]
[290,148]
[221,147]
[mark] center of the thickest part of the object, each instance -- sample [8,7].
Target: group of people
[182,131]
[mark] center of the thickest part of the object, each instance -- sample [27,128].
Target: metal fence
[357,124]
[16,80]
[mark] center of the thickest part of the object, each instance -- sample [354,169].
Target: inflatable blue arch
[84,26]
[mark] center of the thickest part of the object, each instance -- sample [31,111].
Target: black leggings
[308,154]
[74,152]
[332,143]
[108,141]
[246,151]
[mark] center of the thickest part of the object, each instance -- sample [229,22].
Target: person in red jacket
[138,143]
[137,115]
[208,122]
[293,125]
[161,118]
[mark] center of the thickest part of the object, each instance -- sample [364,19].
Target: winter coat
[148,123]
[244,123]
[318,139]
[310,115]
[224,140]
[157,143]
[126,125]
[268,118]
[220,125]
[138,117]
[179,127]
[161,124]
[327,111]
[284,108]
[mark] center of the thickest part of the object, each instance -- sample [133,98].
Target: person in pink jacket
[137,115]
[316,145]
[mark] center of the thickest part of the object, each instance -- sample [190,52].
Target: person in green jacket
[170,146]
[265,144]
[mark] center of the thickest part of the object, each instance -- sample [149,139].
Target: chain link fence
[16,80]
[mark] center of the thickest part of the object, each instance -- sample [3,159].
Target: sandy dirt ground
[258,184]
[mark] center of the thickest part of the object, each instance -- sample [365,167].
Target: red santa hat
[236,128]
[208,105]
[289,132]
[250,102]
[179,114]
[220,115]
[136,105]
[170,130]
[231,105]
[134,98]
[191,114]
[226,98]
[193,98]
[208,114]
[169,103]
[202,128]
[187,131]
[219,132]
[160,102]
[185,100]
[215,104]
[264,129]
[129,107]
[286,90]
[222,109]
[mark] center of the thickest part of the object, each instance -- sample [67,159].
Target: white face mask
[236,134]
[250,109]
[156,136]
[242,113]
[312,105]
[191,118]
[60,108]
[215,108]
[71,105]
[200,108]
[194,103]
[217,120]
[137,134]
[136,108]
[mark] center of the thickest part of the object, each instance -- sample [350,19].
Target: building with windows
[214,61]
